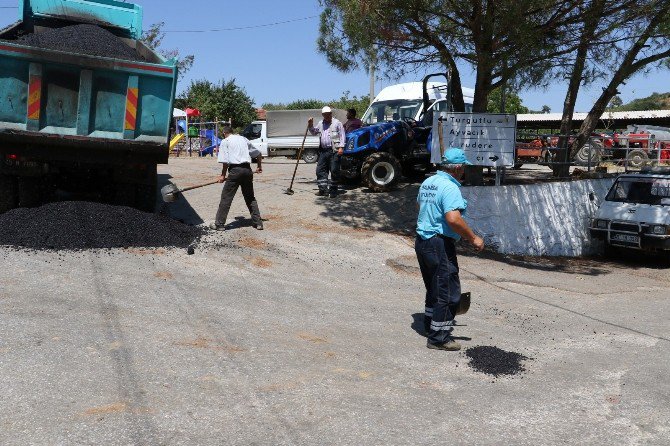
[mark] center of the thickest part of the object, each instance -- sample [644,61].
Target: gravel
[78,225]
[81,39]
[495,361]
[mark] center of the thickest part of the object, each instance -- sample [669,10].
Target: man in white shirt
[331,147]
[235,153]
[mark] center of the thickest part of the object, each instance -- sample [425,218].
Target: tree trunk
[628,66]
[457,100]
[482,90]
[562,169]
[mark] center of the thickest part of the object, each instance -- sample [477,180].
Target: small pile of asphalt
[495,361]
[91,40]
[78,226]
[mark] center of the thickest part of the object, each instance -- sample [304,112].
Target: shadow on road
[393,212]
[180,210]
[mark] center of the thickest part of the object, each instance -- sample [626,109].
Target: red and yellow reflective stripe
[34,96]
[131,108]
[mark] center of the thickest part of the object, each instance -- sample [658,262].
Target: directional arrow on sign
[494,158]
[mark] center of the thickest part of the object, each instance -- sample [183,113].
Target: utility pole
[372,82]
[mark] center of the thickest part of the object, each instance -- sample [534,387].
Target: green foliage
[657,101]
[512,102]
[225,100]
[345,102]
[153,38]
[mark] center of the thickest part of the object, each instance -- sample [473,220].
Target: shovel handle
[198,186]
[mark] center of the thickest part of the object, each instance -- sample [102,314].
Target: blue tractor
[378,155]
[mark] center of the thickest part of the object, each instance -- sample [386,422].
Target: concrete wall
[540,219]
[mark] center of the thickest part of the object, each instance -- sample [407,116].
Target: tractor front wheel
[381,171]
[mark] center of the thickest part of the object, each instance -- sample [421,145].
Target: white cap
[326,109]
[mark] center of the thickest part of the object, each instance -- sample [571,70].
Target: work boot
[320,193]
[450,346]
[217,227]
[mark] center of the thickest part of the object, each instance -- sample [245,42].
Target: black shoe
[333,195]
[451,346]
[217,227]
[320,193]
[258,226]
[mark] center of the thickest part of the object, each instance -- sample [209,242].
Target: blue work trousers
[439,268]
[328,163]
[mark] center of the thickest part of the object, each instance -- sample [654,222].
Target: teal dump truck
[85,106]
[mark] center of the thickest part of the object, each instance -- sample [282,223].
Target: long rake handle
[196,187]
[297,161]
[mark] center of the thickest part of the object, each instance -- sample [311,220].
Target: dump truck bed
[100,102]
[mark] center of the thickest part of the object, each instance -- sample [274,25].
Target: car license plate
[626,238]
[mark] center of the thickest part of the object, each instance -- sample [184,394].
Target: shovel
[290,191]
[171,192]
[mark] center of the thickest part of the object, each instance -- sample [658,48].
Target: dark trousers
[439,268]
[241,176]
[328,163]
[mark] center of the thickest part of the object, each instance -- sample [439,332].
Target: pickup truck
[282,132]
[85,106]
[636,212]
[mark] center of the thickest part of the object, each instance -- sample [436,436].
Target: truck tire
[592,149]
[310,156]
[381,171]
[637,158]
[8,193]
[29,193]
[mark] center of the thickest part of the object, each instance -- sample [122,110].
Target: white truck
[282,132]
[636,212]
[405,101]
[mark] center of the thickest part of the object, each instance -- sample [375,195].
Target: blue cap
[455,156]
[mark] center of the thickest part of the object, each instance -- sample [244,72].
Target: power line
[242,27]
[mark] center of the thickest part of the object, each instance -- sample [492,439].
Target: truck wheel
[588,149]
[29,192]
[8,193]
[637,158]
[381,171]
[310,156]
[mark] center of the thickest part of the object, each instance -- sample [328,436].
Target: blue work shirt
[438,195]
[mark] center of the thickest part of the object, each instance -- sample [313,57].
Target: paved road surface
[306,333]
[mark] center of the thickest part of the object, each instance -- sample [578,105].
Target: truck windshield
[640,190]
[391,111]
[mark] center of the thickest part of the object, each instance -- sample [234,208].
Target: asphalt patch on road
[91,40]
[78,226]
[495,361]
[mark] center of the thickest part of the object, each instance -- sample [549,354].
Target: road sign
[488,139]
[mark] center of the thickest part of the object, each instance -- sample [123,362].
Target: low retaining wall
[540,219]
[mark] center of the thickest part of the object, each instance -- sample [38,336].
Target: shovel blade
[169,193]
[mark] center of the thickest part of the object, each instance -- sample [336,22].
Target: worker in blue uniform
[440,225]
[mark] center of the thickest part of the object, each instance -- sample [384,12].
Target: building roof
[609,119]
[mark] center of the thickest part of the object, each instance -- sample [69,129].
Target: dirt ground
[309,332]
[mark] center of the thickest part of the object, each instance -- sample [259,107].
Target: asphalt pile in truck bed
[495,361]
[91,40]
[78,225]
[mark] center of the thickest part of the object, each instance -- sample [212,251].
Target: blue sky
[280,63]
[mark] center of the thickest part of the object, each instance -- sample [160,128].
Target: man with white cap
[440,225]
[331,147]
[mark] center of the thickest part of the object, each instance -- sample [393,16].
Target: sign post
[488,139]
